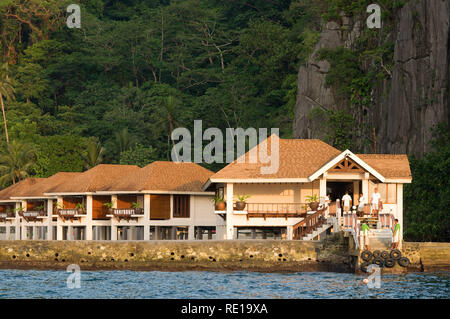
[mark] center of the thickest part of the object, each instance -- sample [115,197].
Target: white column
[49,219]
[113,232]
[17,222]
[146,216]
[289,233]
[35,232]
[132,233]
[70,233]
[365,187]
[400,212]
[191,233]
[59,232]
[8,232]
[88,217]
[322,195]
[229,221]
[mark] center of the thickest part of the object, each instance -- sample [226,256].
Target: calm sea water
[132,284]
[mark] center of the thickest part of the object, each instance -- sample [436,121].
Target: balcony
[70,213]
[4,216]
[277,210]
[127,213]
[33,215]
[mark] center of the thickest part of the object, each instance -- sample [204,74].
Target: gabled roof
[304,160]
[340,157]
[44,185]
[298,159]
[163,176]
[389,165]
[19,188]
[93,179]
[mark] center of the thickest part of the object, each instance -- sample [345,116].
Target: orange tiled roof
[300,158]
[44,185]
[388,165]
[163,176]
[19,188]
[93,179]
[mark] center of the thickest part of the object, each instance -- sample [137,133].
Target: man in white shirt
[376,197]
[361,203]
[347,201]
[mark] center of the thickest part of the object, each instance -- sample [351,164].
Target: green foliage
[59,153]
[16,162]
[427,198]
[138,155]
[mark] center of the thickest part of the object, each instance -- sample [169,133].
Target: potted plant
[80,208]
[313,201]
[109,207]
[241,202]
[137,207]
[40,209]
[219,203]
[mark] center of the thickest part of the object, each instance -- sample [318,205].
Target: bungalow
[81,214]
[38,212]
[277,206]
[163,200]
[10,220]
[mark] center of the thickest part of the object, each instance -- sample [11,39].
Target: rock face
[407,105]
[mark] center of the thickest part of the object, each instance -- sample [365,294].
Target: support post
[49,219]
[229,221]
[146,216]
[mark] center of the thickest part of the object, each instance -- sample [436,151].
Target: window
[181,206]
[388,192]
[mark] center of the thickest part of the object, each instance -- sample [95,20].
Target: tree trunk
[4,118]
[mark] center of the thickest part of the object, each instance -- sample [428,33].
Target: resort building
[302,199]
[277,204]
[81,213]
[37,215]
[10,220]
[163,200]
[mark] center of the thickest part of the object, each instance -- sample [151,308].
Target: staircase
[380,239]
[318,231]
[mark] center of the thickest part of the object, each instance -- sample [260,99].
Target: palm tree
[93,155]
[6,90]
[16,162]
[169,119]
[124,140]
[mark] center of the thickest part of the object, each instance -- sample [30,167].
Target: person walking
[361,203]
[376,197]
[396,235]
[365,229]
[347,200]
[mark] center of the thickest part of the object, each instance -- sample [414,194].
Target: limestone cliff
[409,102]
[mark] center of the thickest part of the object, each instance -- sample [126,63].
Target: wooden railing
[69,213]
[127,213]
[5,215]
[32,215]
[276,210]
[309,224]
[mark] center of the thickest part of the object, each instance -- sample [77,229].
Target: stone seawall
[265,255]
[334,254]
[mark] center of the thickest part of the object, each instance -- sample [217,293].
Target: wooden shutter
[159,206]
[181,206]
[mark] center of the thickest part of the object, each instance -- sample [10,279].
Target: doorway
[337,190]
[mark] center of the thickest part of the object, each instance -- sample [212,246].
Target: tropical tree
[124,140]
[93,155]
[167,118]
[7,91]
[16,162]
